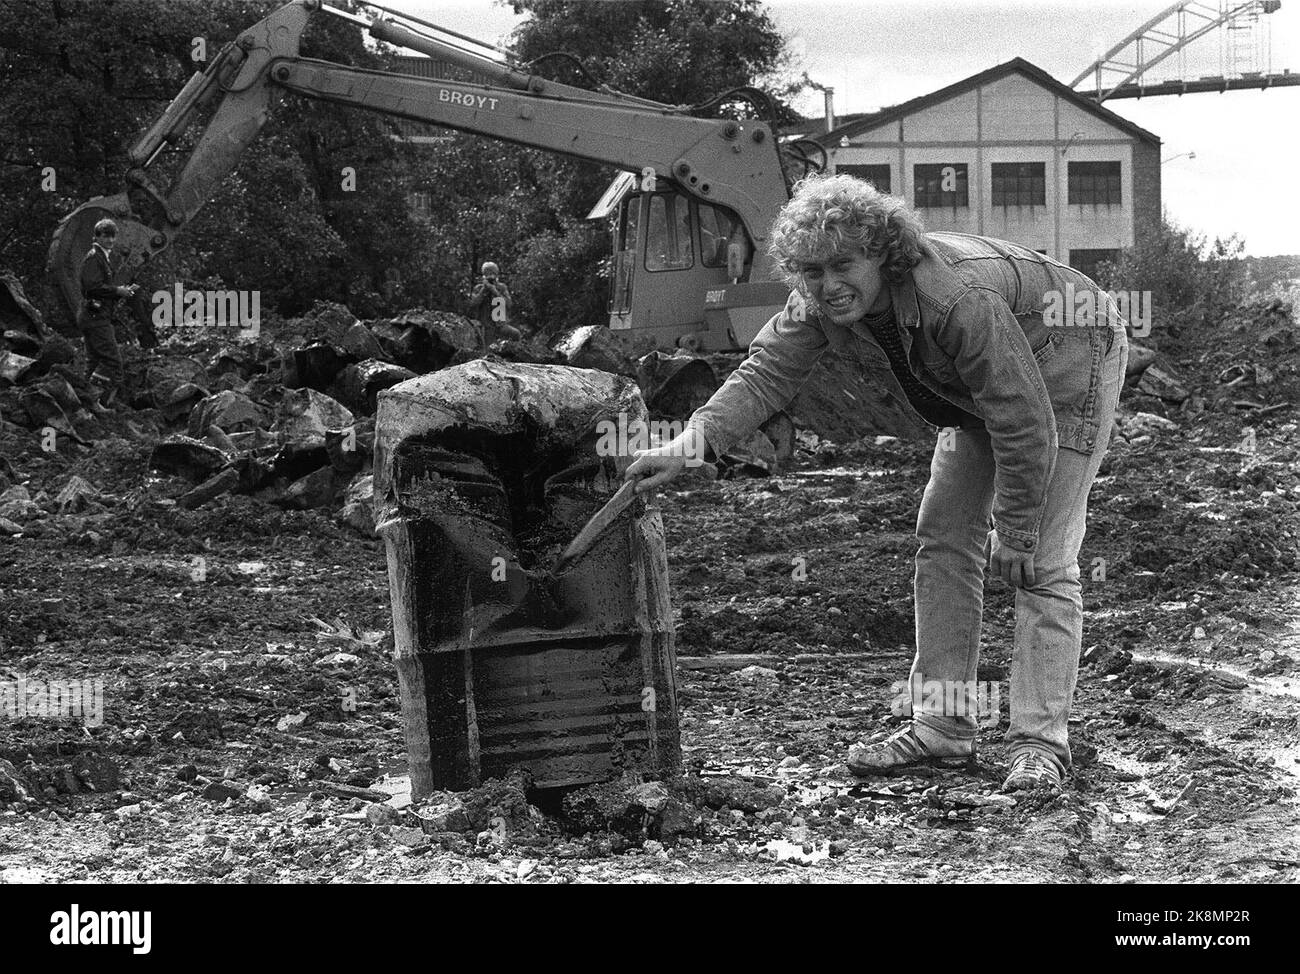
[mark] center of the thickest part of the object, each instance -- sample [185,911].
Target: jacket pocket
[1046,349]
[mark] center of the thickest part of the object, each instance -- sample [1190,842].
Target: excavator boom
[724,163]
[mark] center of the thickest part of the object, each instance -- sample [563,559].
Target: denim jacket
[982,327]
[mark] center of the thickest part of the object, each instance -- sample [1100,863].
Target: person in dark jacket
[99,298]
[491,304]
[966,332]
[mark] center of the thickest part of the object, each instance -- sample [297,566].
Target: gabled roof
[997,72]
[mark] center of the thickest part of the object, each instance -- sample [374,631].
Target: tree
[81,79]
[527,208]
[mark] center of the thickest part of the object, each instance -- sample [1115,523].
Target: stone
[360,344]
[181,401]
[316,489]
[13,786]
[1143,424]
[14,367]
[315,366]
[219,483]
[16,504]
[358,505]
[21,342]
[755,457]
[76,495]
[1139,358]
[1162,383]
[188,457]
[596,347]
[229,411]
[219,791]
[16,312]
[358,385]
[674,386]
[305,415]
[351,449]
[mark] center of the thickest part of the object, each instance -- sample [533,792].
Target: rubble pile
[288,417]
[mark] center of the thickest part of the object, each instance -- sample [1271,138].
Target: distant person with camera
[492,305]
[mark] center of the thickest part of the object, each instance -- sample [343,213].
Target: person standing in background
[492,305]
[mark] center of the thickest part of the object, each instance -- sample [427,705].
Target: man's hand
[1011,565]
[657,467]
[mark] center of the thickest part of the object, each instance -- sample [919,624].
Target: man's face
[105,240]
[846,286]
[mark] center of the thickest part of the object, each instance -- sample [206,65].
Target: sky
[876,53]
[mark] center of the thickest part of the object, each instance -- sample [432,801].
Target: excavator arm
[729,163]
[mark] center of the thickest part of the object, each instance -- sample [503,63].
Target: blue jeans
[953,529]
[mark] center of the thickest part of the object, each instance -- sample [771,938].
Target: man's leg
[103,358]
[1049,614]
[952,529]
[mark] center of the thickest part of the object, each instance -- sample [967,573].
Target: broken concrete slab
[1163,383]
[315,367]
[181,401]
[351,449]
[1139,358]
[676,385]
[596,347]
[358,505]
[189,457]
[316,489]
[304,416]
[16,311]
[14,368]
[76,495]
[360,344]
[228,411]
[16,504]
[21,342]
[219,483]
[358,385]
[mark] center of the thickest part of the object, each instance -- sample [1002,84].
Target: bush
[1190,279]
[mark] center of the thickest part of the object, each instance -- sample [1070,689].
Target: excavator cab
[682,270]
[674,255]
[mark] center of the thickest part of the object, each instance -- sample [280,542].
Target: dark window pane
[876,174]
[928,181]
[1097,183]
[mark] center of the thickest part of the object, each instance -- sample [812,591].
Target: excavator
[691,208]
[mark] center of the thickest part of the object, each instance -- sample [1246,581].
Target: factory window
[877,175]
[1019,184]
[1094,182]
[1087,261]
[941,185]
[668,236]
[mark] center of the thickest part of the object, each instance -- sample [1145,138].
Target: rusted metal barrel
[483,472]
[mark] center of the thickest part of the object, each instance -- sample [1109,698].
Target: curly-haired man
[966,330]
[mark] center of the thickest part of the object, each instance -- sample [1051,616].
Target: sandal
[903,751]
[1031,770]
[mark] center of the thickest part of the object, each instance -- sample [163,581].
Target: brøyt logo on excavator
[179,308]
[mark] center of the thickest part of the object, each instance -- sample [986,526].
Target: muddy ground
[225,755]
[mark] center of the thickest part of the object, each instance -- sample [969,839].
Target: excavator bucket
[73,239]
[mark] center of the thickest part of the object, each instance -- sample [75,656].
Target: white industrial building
[1011,153]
